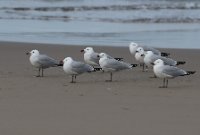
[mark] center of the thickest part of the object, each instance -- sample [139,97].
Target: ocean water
[158,23]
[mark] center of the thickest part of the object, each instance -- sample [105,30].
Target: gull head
[67,59]
[33,52]
[149,53]
[133,44]
[140,50]
[87,49]
[102,55]
[133,47]
[158,62]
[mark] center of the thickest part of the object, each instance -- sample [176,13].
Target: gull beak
[82,50]
[98,56]
[152,64]
[27,53]
[142,55]
[136,51]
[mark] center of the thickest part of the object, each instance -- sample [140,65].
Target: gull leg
[143,67]
[38,72]
[42,72]
[166,83]
[110,78]
[163,86]
[72,79]
[146,68]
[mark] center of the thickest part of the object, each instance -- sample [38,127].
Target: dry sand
[130,105]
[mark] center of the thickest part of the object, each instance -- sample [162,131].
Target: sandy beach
[130,105]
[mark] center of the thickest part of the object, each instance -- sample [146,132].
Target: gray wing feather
[155,57]
[148,48]
[118,65]
[173,71]
[167,61]
[81,67]
[47,61]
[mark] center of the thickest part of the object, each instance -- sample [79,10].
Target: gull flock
[146,56]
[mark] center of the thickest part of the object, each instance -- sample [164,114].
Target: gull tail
[119,59]
[180,62]
[165,54]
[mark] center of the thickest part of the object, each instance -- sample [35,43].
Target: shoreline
[74,45]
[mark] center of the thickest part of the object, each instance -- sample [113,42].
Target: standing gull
[168,72]
[74,68]
[150,57]
[139,56]
[112,65]
[41,61]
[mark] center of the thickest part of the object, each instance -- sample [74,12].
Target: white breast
[68,69]
[34,61]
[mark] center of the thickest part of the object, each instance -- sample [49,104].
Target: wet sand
[131,104]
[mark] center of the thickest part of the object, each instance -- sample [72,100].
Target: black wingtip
[181,62]
[165,54]
[119,59]
[97,69]
[134,65]
[191,72]
[60,63]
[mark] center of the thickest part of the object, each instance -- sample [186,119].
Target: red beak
[82,50]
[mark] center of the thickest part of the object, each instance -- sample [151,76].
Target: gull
[150,57]
[112,65]
[91,57]
[41,61]
[139,56]
[168,72]
[133,47]
[74,68]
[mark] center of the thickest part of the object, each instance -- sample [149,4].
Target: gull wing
[80,67]
[116,65]
[47,61]
[173,71]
